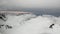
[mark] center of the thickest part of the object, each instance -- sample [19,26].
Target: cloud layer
[31,24]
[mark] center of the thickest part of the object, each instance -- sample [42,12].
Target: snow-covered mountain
[30,24]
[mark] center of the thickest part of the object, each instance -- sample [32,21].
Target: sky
[30,3]
[35,6]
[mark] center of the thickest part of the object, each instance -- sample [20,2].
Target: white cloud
[31,24]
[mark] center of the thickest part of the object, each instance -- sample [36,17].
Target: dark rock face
[8,27]
[51,26]
[2,17]
[1,25]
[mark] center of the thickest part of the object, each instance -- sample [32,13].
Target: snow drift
[31,24]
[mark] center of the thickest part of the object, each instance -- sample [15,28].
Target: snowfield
[31,24]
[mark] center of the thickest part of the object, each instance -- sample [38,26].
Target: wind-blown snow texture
[31,24]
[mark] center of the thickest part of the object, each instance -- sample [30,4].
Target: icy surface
[31,24]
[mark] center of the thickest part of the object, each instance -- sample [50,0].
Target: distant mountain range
[38,11]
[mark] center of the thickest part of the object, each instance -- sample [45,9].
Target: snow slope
[31,24]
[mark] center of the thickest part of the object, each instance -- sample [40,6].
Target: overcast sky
[34,4]
[30,3]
